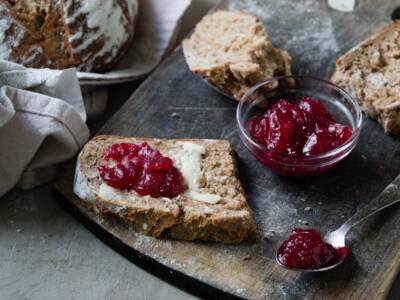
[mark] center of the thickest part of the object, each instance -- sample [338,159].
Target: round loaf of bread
[91,35]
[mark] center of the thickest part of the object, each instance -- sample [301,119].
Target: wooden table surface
[46,253]
[315,36]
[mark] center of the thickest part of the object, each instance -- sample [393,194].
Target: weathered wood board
[315,36]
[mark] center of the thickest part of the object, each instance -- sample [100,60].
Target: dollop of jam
[303,129]
[305,249]
[142,169]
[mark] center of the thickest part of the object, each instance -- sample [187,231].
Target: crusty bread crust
[348,58]
[229,221]
[231,50]
[369,71]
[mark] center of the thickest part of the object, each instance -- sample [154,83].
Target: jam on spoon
[298,130]
[305,249]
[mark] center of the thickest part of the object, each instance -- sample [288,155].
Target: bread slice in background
[227,219]
[371,73]
[233,52]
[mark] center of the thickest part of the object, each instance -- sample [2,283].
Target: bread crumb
[304,222]
[307,208]
[202,181]
[174,115]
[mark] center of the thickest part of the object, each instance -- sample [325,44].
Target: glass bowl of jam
[299,125]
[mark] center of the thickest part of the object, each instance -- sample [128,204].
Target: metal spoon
[389,196]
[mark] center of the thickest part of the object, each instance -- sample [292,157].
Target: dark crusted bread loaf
[233,52]
[222,216]
[371,73]
[91,35]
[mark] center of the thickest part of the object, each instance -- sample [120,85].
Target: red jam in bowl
[141,169]
[305,249]
[291,133]
[303,129]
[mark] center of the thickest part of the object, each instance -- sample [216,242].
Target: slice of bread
[213,207]
[371,73]
[233,52]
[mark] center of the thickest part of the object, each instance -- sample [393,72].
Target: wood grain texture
[315,36]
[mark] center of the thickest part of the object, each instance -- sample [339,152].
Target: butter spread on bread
[212,208]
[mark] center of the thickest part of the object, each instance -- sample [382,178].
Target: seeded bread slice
[229,220]
[371,73]
[233,52]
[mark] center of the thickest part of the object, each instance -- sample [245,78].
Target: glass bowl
[292,88]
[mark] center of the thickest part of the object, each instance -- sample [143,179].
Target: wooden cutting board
[315,36]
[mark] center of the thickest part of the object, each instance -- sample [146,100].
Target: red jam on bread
[298,130]
[141,169]
[305,249]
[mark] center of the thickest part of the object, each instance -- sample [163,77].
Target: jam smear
[296,130]
[305,249]
[142,169]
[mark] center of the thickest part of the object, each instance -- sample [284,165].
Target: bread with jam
[211,207]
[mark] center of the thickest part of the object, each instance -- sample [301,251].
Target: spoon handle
[389,196]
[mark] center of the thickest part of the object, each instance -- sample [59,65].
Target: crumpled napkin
[42,123]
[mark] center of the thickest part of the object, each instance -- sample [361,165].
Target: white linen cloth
[43,113]
[42,122]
